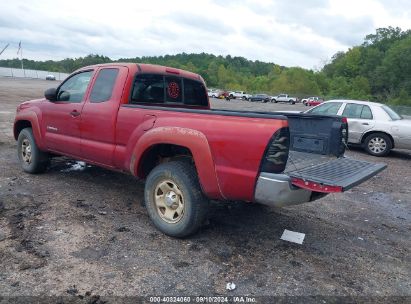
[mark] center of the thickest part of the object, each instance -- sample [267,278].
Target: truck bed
[300,160]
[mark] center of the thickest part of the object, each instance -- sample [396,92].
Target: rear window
[391,113]
[159,89]
[148,89]
[194,93]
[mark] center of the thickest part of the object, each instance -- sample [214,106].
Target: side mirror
[51,94]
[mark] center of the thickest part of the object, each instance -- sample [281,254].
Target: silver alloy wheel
[26,151]
[169,201]
[377,145]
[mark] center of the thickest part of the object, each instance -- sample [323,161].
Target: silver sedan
[374,126]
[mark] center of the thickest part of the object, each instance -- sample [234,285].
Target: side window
[194,93]
[153,88]
[366,113]
[103,86]
[352,110]
[174,90]
[74,88]
[148,88]
[327,108]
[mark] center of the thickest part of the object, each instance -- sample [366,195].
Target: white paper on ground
[230,286]
[292,236]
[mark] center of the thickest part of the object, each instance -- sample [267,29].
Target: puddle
[77,166]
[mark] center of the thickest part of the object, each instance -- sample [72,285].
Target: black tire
[181,174]
[378,144]
[275,101]
[291,101]
[32,159]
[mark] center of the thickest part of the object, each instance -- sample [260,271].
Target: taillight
[276,154]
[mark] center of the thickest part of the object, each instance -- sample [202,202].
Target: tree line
[378,70]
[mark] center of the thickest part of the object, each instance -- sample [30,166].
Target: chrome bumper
[276,190]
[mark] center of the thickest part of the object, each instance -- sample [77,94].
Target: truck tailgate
[335,175]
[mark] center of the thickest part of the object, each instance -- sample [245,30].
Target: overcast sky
[290,33]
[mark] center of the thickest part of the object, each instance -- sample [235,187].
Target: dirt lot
[85,233]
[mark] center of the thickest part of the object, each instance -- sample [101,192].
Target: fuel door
[148,121]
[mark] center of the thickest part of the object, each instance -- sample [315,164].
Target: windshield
[391,113]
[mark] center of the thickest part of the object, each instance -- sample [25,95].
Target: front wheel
[174,200]
[378,144]
[31,158]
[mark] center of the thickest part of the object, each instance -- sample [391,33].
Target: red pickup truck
[155,123]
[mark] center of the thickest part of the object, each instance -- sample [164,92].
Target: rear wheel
[31,158]
[174,200]
[378,144]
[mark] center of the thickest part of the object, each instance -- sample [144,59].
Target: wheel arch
[160,153]
[165,143]
[20,125]
[29,120]
[366,134]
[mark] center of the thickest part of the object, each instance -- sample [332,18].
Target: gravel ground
[84,233]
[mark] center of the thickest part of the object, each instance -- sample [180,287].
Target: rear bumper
[276,190]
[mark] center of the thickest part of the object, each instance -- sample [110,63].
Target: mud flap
[336,175]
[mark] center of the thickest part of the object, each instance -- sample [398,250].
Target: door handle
[74,113]
[365,123]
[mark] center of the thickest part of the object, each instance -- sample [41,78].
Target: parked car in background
[312,101]
[284,98]
[259,97]
[374,126]
[239,94]
[213,93]
[50,77]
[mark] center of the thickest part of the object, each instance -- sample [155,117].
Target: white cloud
[297,33]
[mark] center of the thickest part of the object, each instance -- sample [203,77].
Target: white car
[374,126]
[239,94]
[213,93]
[284,98]
[50,77]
